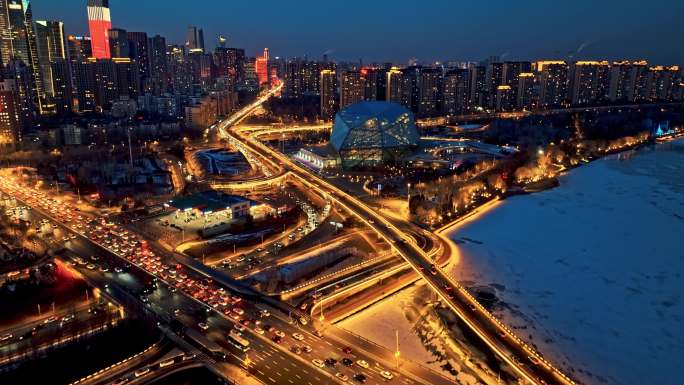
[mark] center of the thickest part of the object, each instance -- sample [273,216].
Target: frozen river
[594,268]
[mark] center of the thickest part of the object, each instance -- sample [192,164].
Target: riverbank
[575,274]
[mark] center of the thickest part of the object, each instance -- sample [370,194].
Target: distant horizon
[440,31]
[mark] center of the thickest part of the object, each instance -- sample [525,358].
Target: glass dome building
[373,133]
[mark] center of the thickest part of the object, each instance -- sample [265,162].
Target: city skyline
[453,32]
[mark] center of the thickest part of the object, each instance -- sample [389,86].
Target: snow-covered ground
[595,267]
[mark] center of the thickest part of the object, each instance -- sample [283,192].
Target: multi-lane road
[524,359]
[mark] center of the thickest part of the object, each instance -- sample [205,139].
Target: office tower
[158,65]
[201,65]
[83,72]
[430,92]
[455,92]
[195,39]
[106,84]
[138,49]
[62,97]
[79,48]
[118,43]
[22,44]
[127,78]
[261,67]
[50,41]
[229,63]
[589,82]
[505,98]
[553,83]
[328,84]
[351,88]
[20,73]
[526,99]
[478,87]
[250,81]
[310,80]
[10,119]
[99,24]
[180,70]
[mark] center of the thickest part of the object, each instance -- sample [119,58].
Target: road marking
[272,380]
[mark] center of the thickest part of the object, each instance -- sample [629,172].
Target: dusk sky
[430,30]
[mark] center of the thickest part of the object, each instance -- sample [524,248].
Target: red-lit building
[99,23]
[261,68]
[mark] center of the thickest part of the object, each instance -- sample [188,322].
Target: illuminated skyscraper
[50,47]
[195,39]
[118,43]
[261,67]
[99,23]
[553,83]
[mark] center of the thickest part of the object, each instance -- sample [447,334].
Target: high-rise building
[455,92]
[118,43]
[62,88]
[99,24]
[50,41]
[430,92]
[158,65]
[661,80]
[495,78]
[22,44]
[138,49]
[553,83]
[478,87]
[328,84]
[589,82]
[623,80]
[10,119]
[83,72]
[526,95]
[511,72]
[180,70]
[505,98]
[399,87]
[261,67]
[79,48]
[375,83]
[351,88]
[195,39]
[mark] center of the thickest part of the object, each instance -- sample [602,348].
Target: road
[124,279]
[527,362]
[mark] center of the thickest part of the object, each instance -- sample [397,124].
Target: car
[296,349]
[318,362]
[118,270]
[142,372]
[298,336]
[347,350]
[331,362]
[347,362]
[121,381]
[277,339]
[362,363]
[90,266]
[50,319]
[359,377]
[176,311]
[342,376]
[259,330]
[240,328]
[279,333]
[386,375]
[307,349]
[203,326]
[6,337]
[534,360]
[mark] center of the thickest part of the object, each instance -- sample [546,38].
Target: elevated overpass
[524,359]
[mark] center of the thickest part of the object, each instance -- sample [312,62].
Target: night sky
[428,30]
